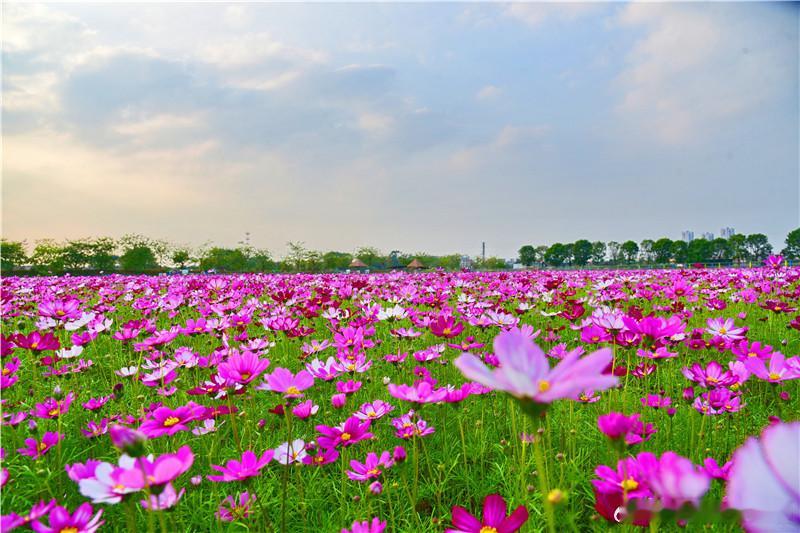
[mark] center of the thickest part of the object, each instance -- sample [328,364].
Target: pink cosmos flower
[282,380]
[718,401]
[409,425]
[710,377]
[371,468]
[234,509]
[744,350]
[376,526]
[149,472]
[713,469]
[242,368]
[421,392]
[166,421]
[725,328]
[288,453]
[249,466]
[305,409]
[447,327]
[350,432]
[373,410]
[36,449]
[61,521]
[763,482]
[525,373]
[166,499]
[615,425]
[323,457]
[494,518]
[36,342]
[13,520]
[674,480]
[52,408]
[777,371]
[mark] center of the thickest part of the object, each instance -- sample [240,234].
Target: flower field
[432,401]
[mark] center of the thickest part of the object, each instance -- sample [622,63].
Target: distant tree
[679,250]
[698,251]
[12,254]
[48,257]
[581,252]
[557,254]
[371,256]
[615,251]
[527,255]
[792,250]
[450,262]
[719,250]
[491,263]
[138,259]
[646,250]
[180,257]
[336,260]
[102,254]
[758,246]
[738,247]
[630,251]
[662,250]
[598,252]
[260,261]
[540,251]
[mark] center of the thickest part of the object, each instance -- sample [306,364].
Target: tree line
[735,249]
[140,254]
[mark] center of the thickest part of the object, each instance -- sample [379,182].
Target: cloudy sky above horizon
[418,127]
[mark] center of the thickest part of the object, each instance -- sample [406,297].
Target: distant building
[727,233]
[466,262]
[708,236]
[688,235]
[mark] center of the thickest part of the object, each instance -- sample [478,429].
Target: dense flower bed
[476,402]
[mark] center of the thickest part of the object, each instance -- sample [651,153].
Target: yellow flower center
[346,437]
[629,484]
[712,379]
[723,331]
[735,386]
[53,412]
[6,371]
[488,529]
[544,385]
[774,376]
[171,421]
[752,354]
[373,472]
[292,390]
[246,375]
[42,446]
[371,414]
[34,345]
[447,331]
[119,487]
[70,529]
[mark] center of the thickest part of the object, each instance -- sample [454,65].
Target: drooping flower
[233,509]
[249,466]
[371,468]
[524,371]
[494,518]
[305,409]
[376,526]
[763,482]
[166,499]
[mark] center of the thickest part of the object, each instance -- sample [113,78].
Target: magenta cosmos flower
[370,469]
[36,449]
[232,509]
[376,526]
[242,368]
[149,472]
[447,327]
[420,392]
[494,518]
[525,373]
[61,521]
[166,421]
[249,466]
[350,432]
[763,481]
[291,385]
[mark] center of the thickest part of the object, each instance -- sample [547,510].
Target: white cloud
[160,123]
[695,67]
[535,13]
[489,92]
[375,122]
[254,48]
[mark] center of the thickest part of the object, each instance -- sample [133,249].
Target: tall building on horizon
[707,236]
[727,233]
[687,235]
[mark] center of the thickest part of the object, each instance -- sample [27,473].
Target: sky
[416,127]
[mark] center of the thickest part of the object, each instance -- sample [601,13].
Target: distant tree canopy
[137,253]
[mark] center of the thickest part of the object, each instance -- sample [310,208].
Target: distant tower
[483,251]
[708,236]
[688,235]
[727,233]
